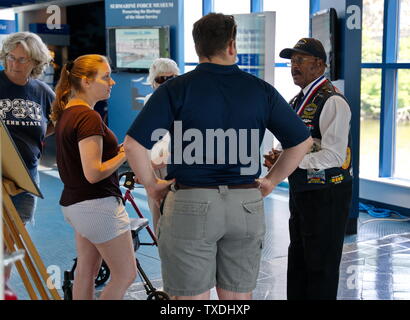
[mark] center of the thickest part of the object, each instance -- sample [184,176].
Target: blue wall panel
[207,7]
[389,89]
[256,6]
[349,42]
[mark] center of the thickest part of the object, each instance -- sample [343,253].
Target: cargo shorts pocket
[255,218]
[188,219]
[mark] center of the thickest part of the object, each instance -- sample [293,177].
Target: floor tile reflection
[382,273]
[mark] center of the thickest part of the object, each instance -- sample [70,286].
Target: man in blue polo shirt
[212,225]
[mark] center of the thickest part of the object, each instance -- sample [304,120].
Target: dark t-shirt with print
[77,123]
[25,112]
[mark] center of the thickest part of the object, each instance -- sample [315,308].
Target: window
[232,6]
[385,89]
[404,33]
[7,15]
[370,122]
[403,126]
[284,83]
[288,32]
[372,34]
[192,13]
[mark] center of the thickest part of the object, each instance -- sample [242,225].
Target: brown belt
[253,185]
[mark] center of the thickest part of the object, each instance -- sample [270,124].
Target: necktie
[299,100]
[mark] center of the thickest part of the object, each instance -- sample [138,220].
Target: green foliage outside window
[371,78]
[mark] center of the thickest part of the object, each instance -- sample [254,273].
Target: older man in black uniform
[321,187]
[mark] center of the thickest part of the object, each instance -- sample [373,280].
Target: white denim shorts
[98,220]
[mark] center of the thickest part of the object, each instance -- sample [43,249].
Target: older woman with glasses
[161,70]
[25,104]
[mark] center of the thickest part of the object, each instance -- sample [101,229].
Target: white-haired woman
[161,70]
[25,104]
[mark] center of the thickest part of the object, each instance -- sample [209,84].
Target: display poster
[250,42]
[255,43]
[136,48]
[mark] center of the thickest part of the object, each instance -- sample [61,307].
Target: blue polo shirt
[217,116]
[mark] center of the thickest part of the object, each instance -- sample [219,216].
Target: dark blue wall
[349,14]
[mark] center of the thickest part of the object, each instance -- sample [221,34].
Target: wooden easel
[16,179]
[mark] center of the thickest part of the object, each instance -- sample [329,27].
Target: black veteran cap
[308,46]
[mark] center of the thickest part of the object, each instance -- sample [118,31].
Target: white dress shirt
[334,125]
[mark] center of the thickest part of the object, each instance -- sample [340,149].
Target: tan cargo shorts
[211,237]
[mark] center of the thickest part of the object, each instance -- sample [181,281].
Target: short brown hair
[212,34]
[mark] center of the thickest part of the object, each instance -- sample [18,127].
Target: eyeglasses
[162,79]
[21,60]
[299,60]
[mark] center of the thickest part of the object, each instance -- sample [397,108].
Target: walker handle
[129,182]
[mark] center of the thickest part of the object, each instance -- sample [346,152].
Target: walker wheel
[68,292]
[103,275]
[67,286]
[158,295]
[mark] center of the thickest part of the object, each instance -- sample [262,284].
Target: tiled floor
[375,262]
[376,269]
